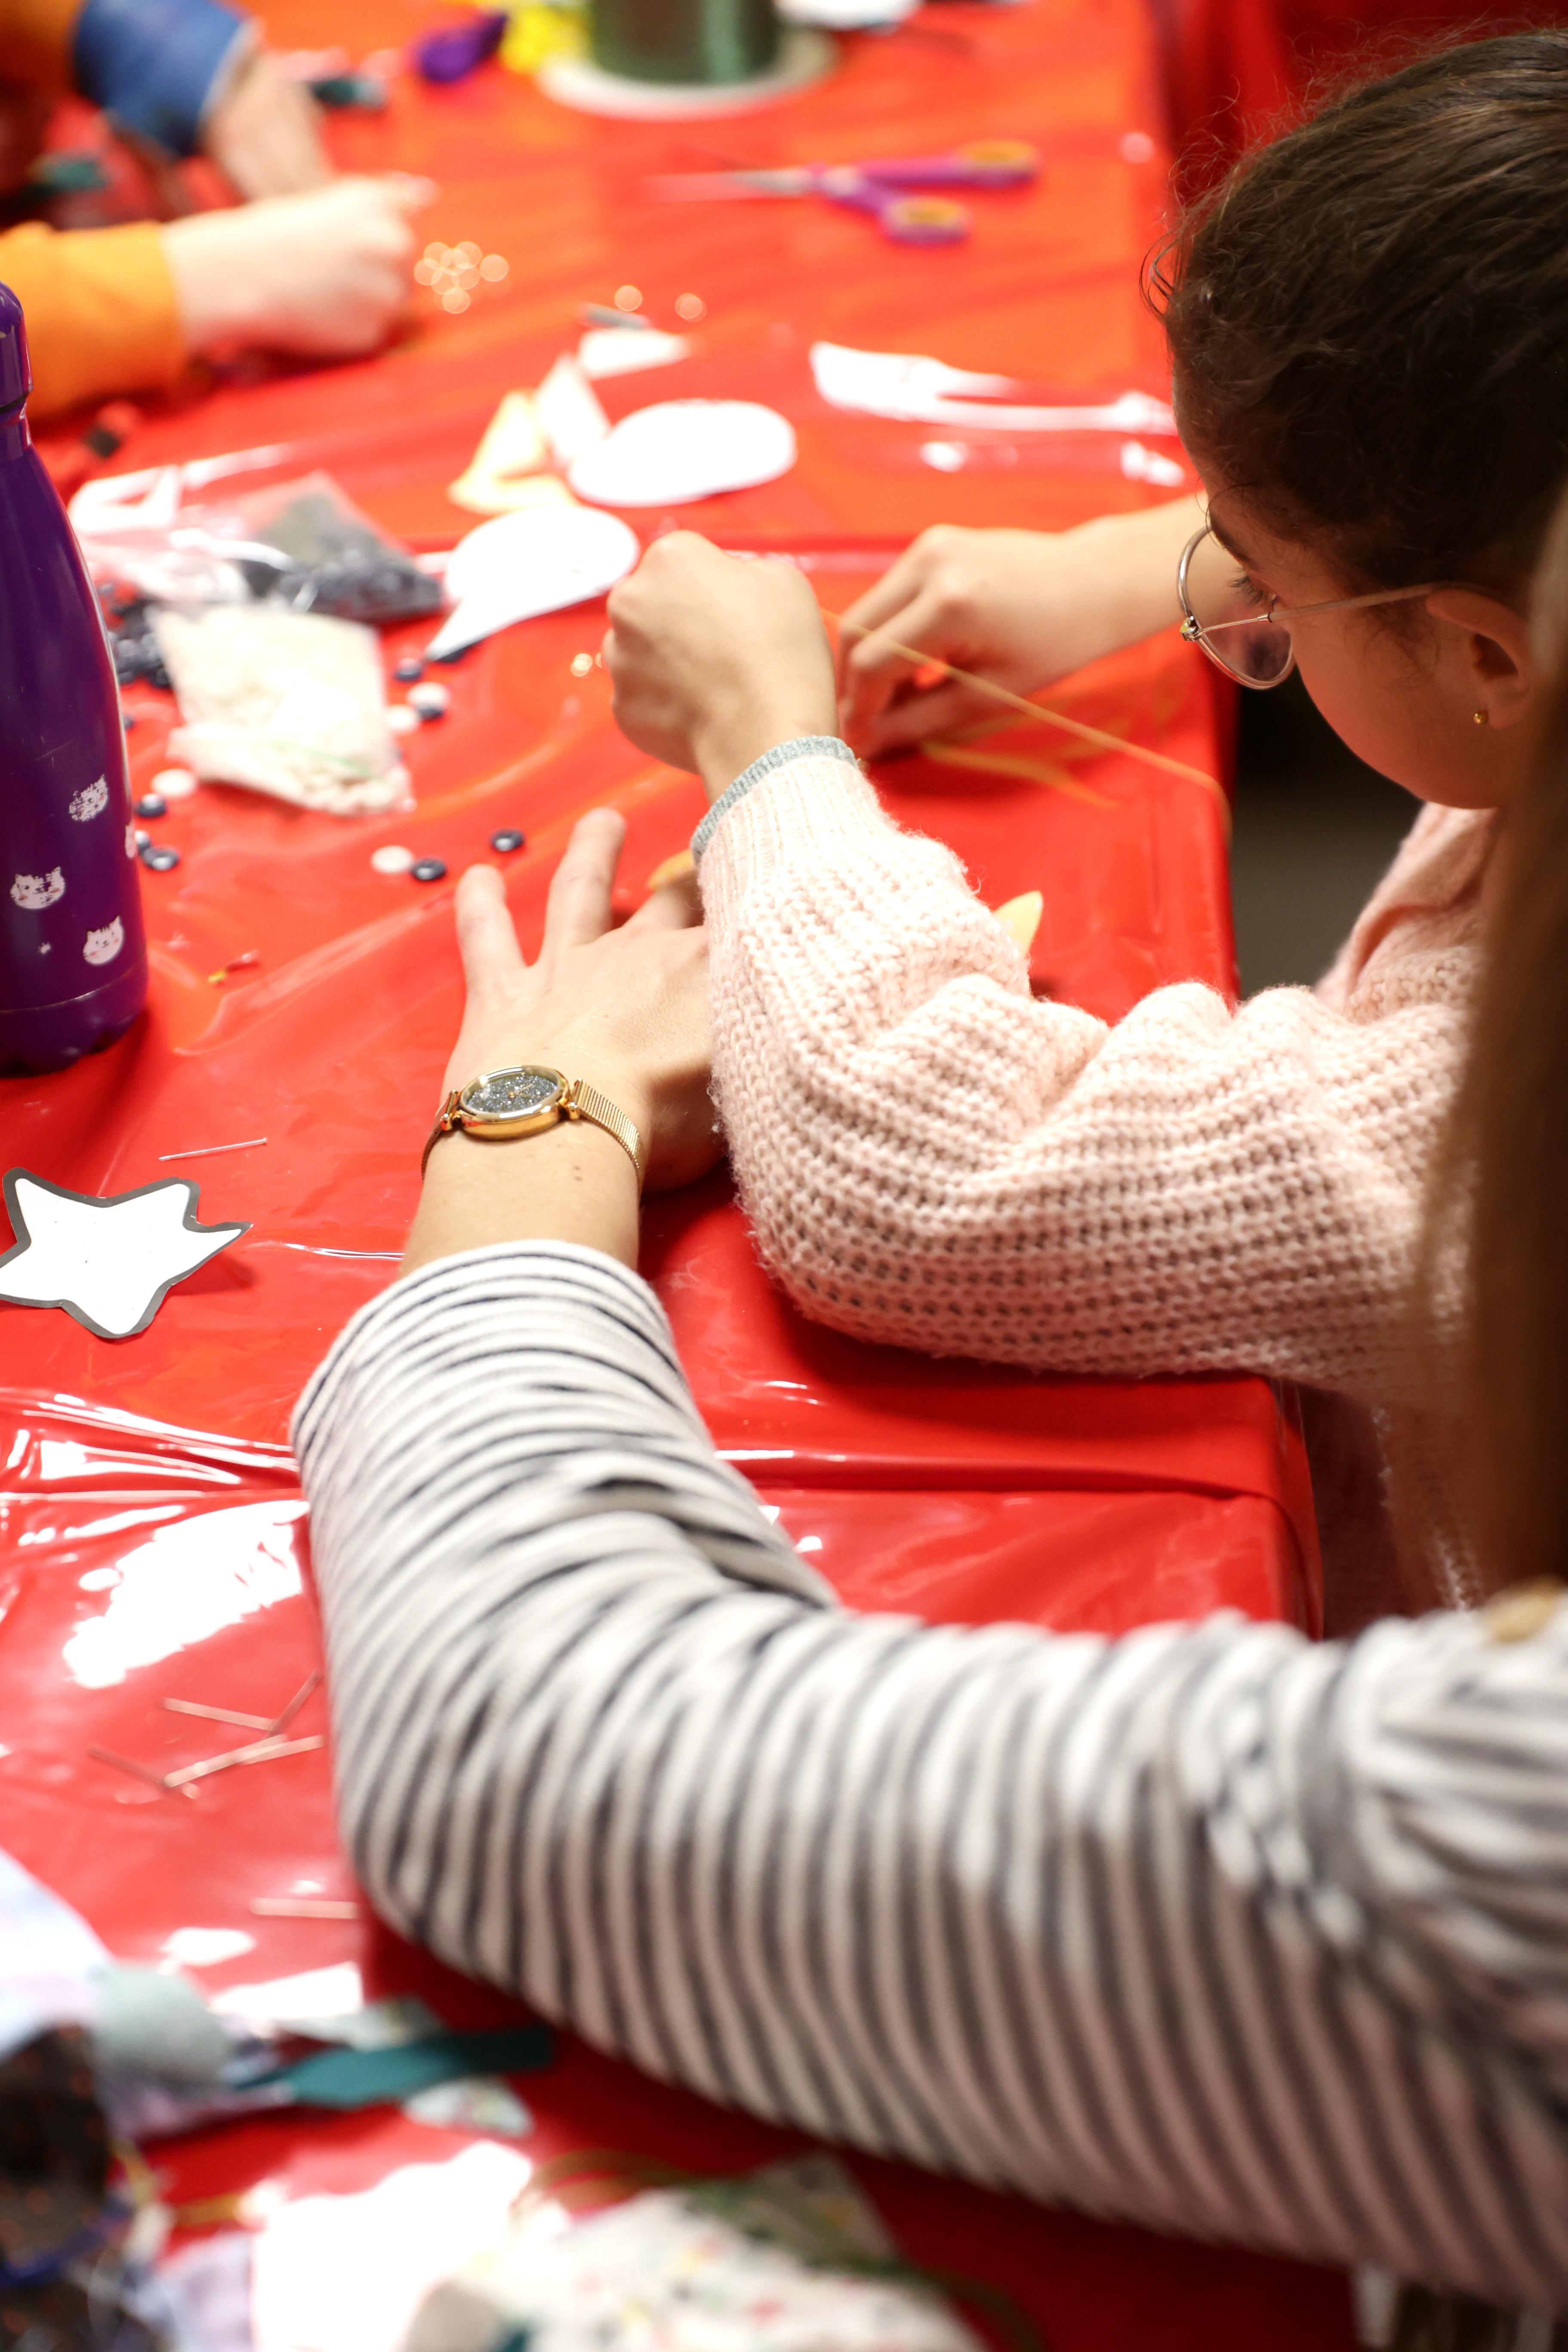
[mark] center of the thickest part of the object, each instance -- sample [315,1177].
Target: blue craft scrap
[348,2079]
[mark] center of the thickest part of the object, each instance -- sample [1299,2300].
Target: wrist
[731,743]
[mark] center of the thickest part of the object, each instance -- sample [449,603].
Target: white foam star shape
[108,1262]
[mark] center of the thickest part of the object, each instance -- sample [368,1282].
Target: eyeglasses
[1221,603]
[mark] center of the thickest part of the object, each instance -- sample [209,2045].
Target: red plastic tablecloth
[154,1528]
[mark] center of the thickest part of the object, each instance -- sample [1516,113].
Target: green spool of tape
[708,42]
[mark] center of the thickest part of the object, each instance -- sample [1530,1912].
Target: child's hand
[1018,608]
[715,658]
[263,134]
[323,274]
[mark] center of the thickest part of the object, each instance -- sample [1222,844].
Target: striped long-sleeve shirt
[1205,1926]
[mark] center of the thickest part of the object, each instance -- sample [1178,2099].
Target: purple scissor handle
[881,189]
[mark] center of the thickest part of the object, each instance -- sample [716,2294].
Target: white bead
[174,783]
[392,859]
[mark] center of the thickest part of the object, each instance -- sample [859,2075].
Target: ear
[1491,643]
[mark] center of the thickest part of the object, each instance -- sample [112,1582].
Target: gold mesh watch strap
[584,1101]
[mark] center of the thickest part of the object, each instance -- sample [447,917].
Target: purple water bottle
[73,957]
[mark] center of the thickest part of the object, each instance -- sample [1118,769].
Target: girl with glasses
[1368,326]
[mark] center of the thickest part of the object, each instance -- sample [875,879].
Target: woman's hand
[265,132]
[324,274]
[627,1010]
[1018,608]
[715,658]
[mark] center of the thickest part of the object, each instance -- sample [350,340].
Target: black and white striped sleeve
[1205,1926]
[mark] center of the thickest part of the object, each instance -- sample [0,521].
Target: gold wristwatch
[525,1101]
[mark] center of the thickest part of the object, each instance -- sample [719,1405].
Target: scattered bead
[174,783]
[428,869]
[628,297]
[429,699]
[159,859]
[400,719]
[691,306]
[409,669]
[470,252]
[152,804]
[507,839]
[581,664]
[392,859]
[128,720]
[493,268]
[455,300]
[141,837]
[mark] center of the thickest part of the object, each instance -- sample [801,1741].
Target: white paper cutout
[519,565]
[912,390]
[89,800]
[36,891]
[679,450]
[108,1263]
[567,411]
[626,351]
[103,945]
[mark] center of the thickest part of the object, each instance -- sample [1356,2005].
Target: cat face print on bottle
[37,891]
[102,947]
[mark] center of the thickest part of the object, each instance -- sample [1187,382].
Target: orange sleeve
[101,309]
[35,42]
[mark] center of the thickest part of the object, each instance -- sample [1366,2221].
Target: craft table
[154,1531]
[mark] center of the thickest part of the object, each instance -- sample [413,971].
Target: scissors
[878,188]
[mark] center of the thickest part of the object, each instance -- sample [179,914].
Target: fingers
[579,905]
[870,671]
[486,941]
[409,190]
[915,719]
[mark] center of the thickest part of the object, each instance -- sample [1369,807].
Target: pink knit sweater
[933,1158]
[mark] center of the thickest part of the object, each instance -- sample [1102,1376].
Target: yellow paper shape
[1020,919]
[502,475]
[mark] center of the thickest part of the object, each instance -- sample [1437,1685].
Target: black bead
[152,804]
[507,839]
[409,667]
[428,869]
[160,858]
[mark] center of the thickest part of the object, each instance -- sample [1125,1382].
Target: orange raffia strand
[1037,711]
[955,753]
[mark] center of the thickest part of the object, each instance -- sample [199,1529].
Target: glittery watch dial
[510,1094]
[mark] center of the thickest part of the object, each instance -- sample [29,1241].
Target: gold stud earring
[1483,718]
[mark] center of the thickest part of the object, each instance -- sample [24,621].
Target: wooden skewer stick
[153,1778]
[260,1751]
[282,1722]
[1077,727]
[304,1906]
[219,1713]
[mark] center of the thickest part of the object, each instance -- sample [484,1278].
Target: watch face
[510,1094]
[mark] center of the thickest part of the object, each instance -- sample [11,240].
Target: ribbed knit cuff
[800,746]
[155,66]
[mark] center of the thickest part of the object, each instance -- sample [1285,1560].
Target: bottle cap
[15,368]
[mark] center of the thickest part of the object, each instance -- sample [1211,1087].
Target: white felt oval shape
[679,450]
[539,560]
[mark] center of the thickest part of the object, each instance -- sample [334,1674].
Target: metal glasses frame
[1199,633]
